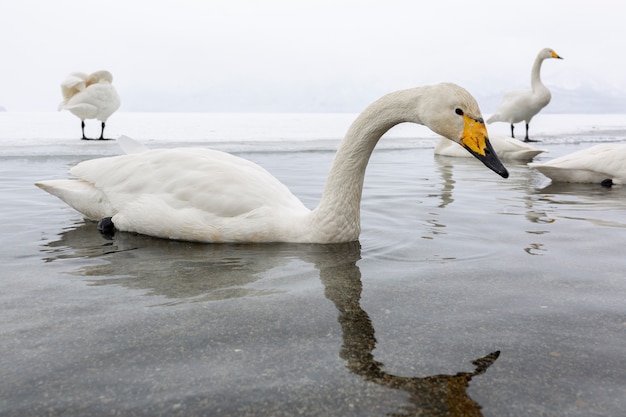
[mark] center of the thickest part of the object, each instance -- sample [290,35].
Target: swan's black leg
[527,139]
[512,128]
[106,228]
[102,133]
[82,126]
[607,183]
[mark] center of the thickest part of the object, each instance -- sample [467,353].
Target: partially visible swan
[505,147]
[602,164]
[90,97]
[211,196]
[522,105]
[130,145]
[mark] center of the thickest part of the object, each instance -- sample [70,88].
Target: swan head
[452,112]
[546,53]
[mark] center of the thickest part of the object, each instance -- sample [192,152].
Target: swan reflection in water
[436,395]
[222,271]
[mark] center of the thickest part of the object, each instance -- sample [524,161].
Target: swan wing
[520,105]
[512,149]
[192,194]
[591,165]
[509,107]
[97,101]
[82,110]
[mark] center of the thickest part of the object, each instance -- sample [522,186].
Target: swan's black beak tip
[490,160]
[504,173]
[496,167]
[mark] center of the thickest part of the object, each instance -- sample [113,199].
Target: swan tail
[81,195]
[494,118]
[130,145]
[529,155]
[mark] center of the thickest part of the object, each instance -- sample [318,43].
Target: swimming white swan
[523,105]
[90,97]
[505,147]
[602,164]
[211,196]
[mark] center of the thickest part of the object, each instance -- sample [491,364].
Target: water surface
[467,294]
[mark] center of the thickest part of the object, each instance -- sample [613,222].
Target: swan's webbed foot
[531,140]
[100,138]
[608,183]
[106,228]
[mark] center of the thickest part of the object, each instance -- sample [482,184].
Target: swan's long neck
[338,214]
[535,75]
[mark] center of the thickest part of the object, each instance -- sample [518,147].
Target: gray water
[454,265]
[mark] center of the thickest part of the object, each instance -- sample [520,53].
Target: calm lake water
[466,295]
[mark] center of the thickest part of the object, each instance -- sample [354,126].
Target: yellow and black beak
[476,141]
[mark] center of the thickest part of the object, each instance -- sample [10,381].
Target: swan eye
[459,112]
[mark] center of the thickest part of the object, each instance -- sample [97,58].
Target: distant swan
[602,164]
[90,97]
[211,196]
[523,105]
[505,147]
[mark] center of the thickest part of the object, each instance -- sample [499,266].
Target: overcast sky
[271,55]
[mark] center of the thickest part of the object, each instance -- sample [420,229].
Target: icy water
[466,295]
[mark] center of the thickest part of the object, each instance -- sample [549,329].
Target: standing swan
[525,104]
[90,97]
[210,196]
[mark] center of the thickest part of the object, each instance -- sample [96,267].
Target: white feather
[590,165]
[211,196]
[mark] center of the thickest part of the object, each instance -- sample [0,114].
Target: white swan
[90,97]
[505,147]
[210,196]
[523,105]
[602,164]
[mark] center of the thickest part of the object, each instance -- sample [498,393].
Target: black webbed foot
[106,228]
[607,183]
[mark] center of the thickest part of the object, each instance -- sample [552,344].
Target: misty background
[310,56]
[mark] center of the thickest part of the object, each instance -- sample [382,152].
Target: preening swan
[601,164]
[523,105]
[90,97]
[505,147]
[210,196]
